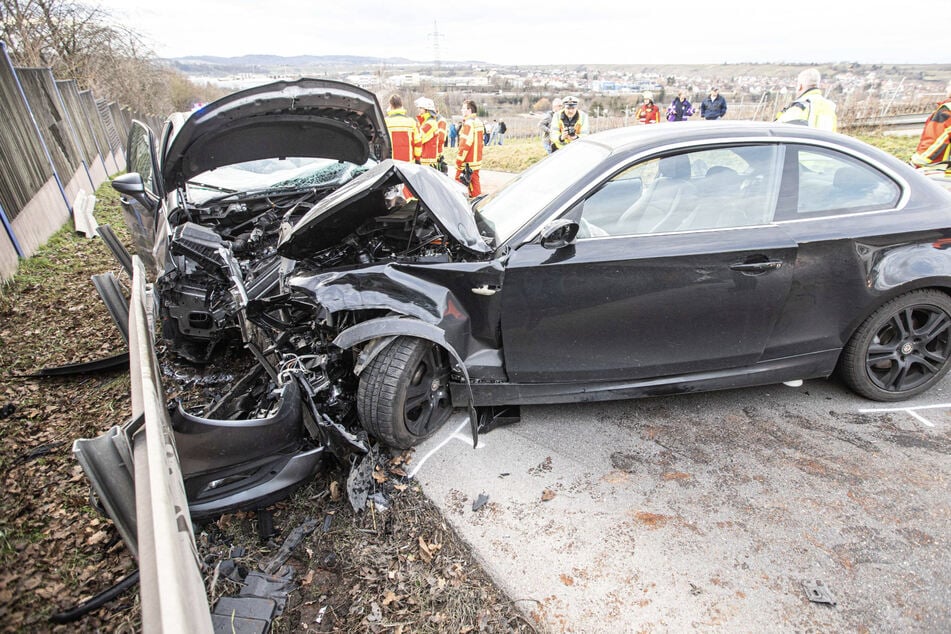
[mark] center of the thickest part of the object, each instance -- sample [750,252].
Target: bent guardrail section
[171,588]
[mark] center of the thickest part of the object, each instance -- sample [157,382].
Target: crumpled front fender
[437,294]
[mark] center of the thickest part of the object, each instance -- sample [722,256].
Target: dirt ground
[399,569]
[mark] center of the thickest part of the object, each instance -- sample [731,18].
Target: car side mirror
[131,185]
[559,233]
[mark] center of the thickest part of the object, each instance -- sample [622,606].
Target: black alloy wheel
[902,349]
[403,396]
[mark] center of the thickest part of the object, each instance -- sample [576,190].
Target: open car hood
[344,210]
[318,118]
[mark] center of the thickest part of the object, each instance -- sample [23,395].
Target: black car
[635,262]
[638,262]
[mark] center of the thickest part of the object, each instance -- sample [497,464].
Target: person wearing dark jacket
[714,106]
[679,109]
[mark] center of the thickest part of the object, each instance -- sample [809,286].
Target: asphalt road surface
[711,511]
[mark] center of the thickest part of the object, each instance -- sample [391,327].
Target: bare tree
[83,42]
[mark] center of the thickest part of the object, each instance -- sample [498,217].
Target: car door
[688,274]
[143,220]
[842,212]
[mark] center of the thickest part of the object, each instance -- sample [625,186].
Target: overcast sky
[549,32]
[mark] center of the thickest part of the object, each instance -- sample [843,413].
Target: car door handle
[756,267]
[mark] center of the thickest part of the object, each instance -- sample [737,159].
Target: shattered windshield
[507,210]
[272,173]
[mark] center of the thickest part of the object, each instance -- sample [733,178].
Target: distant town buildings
[753,90]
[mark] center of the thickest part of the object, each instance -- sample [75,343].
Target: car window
[510,208]
[705,189]
[832,183]
[140,155]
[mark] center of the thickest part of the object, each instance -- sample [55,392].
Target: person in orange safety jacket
[470,148]
[427,126]
[402,130]
[935,145]
[442,132]
[648,112]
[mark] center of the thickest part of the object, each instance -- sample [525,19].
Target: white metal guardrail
[171,588]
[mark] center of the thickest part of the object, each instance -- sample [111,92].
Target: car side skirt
[809,366]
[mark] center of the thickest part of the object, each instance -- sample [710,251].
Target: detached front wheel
[902,349]
[403,396]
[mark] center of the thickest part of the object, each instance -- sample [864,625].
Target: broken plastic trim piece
[818,592]
[121,254]
[104,597]
[120,360]
[492,416]
[111,293]
[107,462]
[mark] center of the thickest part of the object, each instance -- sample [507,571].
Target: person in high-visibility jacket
[934,147]
[427,127]
[402,130]
[648,112]
[567,125]
[810,107]
[403,139]
[470,148]
[442,132]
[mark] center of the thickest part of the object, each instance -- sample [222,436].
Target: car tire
[403,395]
[902,349]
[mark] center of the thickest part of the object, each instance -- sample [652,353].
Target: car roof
[638,138]
[633,137]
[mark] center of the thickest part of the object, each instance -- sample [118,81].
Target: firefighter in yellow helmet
[810,107]
[469,157]
[567,125]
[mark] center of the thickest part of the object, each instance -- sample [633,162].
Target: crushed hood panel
[344,210]
[317,118]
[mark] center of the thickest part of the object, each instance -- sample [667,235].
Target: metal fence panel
[24,168]
[50,117]
[123,123]
[92,114]
[113,127]
[74,106]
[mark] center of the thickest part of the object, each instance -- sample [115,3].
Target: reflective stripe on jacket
[648,114]
[471,140]
[402,129]
[442,132]
[428,139]
[561,124]
[812,109]
[935,145]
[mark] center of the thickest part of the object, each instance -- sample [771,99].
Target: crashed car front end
[321,283]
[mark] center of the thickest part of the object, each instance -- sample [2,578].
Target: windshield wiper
[263,192]
[211,187]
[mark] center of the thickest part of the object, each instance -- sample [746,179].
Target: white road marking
[921,418]
[904,409]
[912,411]
[419,465]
